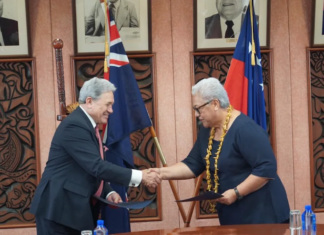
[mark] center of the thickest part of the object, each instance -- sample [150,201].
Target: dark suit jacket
[9,29]
[73,173]
[213,27]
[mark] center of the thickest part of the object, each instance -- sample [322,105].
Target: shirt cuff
[136,178]
[109,194]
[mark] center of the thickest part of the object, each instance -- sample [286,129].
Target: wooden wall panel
[316,126]
[19,147]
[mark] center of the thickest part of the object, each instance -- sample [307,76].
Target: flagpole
[106,39]
[171,182]
[253,44]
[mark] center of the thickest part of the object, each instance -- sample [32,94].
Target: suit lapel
[82,115]
[215,30]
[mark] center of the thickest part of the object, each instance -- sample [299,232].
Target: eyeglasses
[197,109]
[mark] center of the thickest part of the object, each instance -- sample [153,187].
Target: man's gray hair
[211,89]
[94,88]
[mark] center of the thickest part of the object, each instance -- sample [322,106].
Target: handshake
[151,177]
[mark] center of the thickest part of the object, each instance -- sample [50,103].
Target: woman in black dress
[240,150]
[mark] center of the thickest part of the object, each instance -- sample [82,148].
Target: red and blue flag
[244,82]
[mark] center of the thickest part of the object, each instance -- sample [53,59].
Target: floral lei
[209,151]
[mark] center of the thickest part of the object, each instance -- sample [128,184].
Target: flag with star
[244,82]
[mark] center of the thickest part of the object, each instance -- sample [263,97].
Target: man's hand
[156,170]
[115,198]
[151,179]
[228,198]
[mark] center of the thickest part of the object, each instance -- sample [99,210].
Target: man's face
[101,108]
[1,8]
[229,9]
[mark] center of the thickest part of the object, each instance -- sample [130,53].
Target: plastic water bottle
[308,221]
[100,229]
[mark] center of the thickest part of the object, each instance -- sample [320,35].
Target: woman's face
[205,110]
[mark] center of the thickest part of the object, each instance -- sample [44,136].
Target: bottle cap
[100,222]
[308,207]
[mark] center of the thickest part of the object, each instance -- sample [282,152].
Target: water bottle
[308,221]
[100,229]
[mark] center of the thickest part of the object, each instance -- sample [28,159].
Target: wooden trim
[310,117]
[18,226]
[37,147]
[73,76]
[272,111]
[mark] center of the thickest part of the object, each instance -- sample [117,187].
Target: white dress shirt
[236,27]
[136,177]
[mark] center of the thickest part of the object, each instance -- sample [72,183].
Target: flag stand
[193,203]
[171,182]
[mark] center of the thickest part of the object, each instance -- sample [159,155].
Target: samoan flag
[244,82]
[129,115]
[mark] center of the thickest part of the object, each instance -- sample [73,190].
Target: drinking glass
[295,222]
[87,232]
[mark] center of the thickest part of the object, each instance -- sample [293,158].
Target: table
[255,229]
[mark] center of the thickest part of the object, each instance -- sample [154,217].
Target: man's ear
[89,102]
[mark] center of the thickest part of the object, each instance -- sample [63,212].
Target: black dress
[246,150]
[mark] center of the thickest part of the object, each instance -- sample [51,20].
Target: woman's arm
[251,184]
[178,171]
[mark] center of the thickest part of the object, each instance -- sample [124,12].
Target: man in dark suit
[8,30]
[227,23]
[75,170]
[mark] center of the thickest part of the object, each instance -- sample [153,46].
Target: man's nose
[110,109]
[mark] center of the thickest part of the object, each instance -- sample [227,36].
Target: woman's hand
[228,198]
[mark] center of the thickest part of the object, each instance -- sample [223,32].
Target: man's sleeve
[80,145]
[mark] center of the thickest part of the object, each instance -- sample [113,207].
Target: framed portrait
[318,23]
[132,18]
[217,23]
[13,29]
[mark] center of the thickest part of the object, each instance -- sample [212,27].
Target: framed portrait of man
[13,29]
[318,23]
[217,23]
[132,18]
